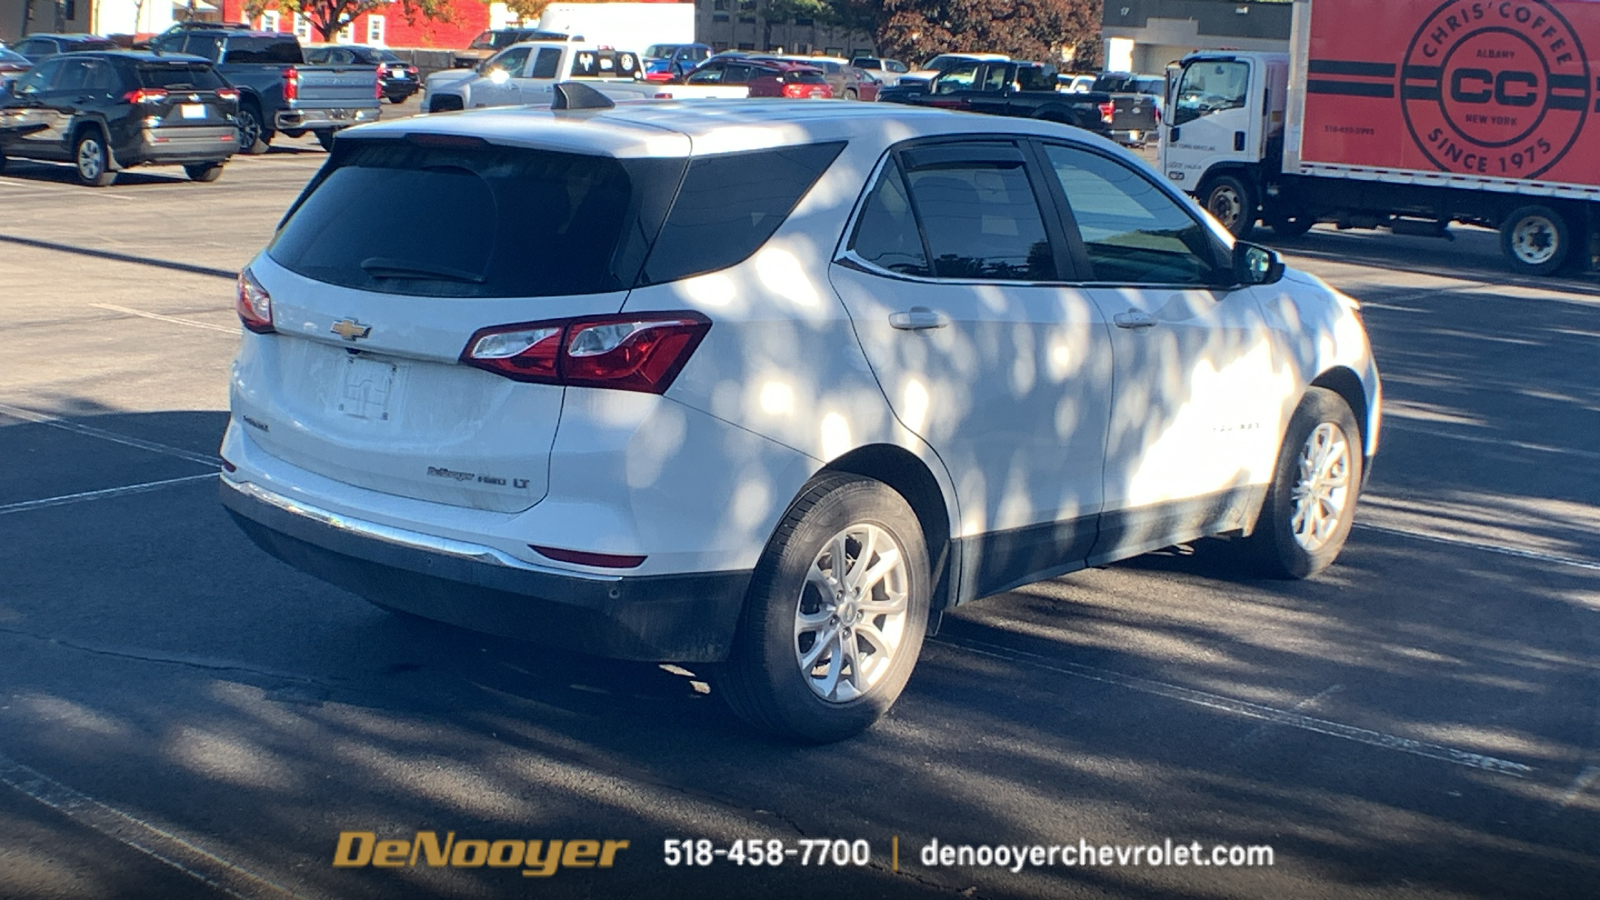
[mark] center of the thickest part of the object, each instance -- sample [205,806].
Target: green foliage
[329,16]
[913,30]
[822,11]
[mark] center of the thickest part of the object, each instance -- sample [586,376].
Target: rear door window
[264,50]
[886,233]
[478,220]
[729,205]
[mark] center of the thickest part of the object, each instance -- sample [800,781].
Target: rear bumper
[314,119]
[1133,137]
[662,618]
[170,146]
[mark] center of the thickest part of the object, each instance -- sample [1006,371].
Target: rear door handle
[918,318]
[1133,318]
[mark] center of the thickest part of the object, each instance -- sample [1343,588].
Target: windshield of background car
[193,77]
[482,220]
[264,50]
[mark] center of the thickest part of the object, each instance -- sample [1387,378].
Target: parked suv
[106,112]
[39,47]
[766,386]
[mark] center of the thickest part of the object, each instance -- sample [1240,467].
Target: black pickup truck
[278,91]
[1008,88]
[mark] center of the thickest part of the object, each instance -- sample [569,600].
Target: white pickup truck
[527,73]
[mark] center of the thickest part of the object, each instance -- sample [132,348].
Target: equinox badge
[350,329]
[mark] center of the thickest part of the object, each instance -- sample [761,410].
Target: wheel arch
[95,124]
[911,478]
[1343,381]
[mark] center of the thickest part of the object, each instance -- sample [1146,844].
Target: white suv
[770,385]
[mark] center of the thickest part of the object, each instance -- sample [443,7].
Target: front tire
[253,135]
[1311,502]
[836,613]
[1289,224]
[1536,240]
[1233,203]
[92,160]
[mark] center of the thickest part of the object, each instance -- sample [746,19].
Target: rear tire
[1233,203]
[91,159]
[254,138]
[397,99]
[1311,502]
[1290,224]
[204,172]
[1536,240]
[828,639]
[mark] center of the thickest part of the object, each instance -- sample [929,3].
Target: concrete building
[742,25]
[1146,35]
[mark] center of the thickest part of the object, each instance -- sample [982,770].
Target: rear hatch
[398,253]
[180,93]
[1134,113]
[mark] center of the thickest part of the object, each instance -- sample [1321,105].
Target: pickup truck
[277,90]
[1008,88]
[1136,105]
[527,73]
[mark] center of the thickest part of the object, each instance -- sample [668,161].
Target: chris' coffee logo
[1496,87]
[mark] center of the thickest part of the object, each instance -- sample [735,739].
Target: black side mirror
[1254,264]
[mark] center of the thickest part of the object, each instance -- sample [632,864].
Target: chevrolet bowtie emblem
[350,329]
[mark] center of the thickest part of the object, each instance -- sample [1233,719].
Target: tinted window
[483,221]
[738,73]
[188,76]
[886,234]
[100,79]
[982,221]
[206,45]
[264,50]
[710,74]
[82,46]
[804,76]
[1133,231]
[74,77]
[729,205]
[547,64]
[38,78]
[34,48]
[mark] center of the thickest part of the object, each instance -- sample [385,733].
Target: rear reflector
[603,560]
[254,304]
[628,352]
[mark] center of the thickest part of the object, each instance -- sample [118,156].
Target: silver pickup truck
[278,92]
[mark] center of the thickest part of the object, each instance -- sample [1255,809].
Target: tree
[531,10]
[329,17]
[1028,29]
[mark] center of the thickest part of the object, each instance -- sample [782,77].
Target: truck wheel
[253,135]
[325,138]
[1233,203]
[835,616]
[93,162]
[1311,502]
[1289,224]
[444,103]
[1536,240]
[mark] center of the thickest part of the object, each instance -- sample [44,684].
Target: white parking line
[104,494]
[232,332]
[41,419]
[131,831]
[1244,708]
[1486,548]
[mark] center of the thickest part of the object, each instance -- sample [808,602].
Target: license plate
[367,388]
[193,110]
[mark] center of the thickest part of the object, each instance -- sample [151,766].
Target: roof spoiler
[572,95]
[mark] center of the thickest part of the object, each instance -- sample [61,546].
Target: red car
[766,77]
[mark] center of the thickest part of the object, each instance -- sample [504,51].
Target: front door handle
[1133,318]
[918,318]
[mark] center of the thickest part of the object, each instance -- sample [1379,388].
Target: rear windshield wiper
[384,267]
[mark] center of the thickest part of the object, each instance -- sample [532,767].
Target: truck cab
[1225,130]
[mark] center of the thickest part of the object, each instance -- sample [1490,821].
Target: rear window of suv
[192,77]
[459,217]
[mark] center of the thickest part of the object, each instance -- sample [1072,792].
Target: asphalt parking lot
[183,716]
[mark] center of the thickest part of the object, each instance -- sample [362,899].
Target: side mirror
[1254,264]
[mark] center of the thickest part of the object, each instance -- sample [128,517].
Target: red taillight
[411,70]
[604,560]
[795,91]
[1106,110]
[254,304]
[228,94]
[627,352]
[291,83]
[145,95]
